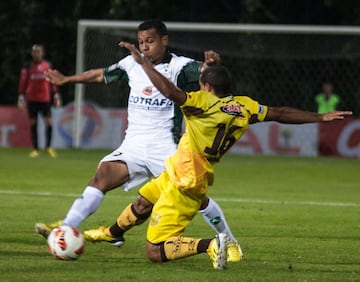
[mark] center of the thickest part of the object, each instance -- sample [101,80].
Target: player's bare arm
[296,116]
[90,76]
[166,87]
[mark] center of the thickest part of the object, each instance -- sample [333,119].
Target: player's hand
[55,77]
[134,52]
[211,57]
[335,115]
[21,103]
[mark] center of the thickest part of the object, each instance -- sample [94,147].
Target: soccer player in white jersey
[153,131]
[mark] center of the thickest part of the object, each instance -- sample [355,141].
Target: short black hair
[158,25]
[219,78]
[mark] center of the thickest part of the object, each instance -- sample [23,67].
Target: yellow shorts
[173,209]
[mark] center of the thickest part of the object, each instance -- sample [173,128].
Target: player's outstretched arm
[296,116]
[90,76]
[166,87]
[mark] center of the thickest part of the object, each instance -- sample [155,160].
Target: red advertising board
[14,127]
[340,138]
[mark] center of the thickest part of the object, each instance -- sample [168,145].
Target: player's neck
[164,59]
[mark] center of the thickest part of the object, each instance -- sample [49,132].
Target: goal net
[274,64]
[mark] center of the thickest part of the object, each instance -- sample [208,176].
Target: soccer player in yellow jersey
[215,120]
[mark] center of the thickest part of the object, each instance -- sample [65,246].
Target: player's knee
[109,175]
[204,203]
[142,206]
[153,253]
[97,181]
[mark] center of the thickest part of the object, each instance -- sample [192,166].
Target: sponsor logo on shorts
[155,219]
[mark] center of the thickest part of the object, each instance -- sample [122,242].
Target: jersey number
[223,140]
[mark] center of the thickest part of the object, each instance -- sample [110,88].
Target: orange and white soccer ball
[66,243]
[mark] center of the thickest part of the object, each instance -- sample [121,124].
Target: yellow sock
[128,218]
[180,247]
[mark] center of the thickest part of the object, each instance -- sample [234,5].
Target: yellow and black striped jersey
[213,125]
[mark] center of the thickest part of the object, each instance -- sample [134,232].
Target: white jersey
[149,138]
[150,114]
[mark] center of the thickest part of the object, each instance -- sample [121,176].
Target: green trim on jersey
[188,81]
[112,73]
[178,119]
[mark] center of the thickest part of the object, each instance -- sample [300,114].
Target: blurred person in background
[327,101]
[35,93]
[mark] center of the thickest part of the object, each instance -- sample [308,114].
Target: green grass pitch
[297,219]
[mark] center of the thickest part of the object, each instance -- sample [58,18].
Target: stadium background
[276,69]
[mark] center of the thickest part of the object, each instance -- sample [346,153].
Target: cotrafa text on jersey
[150,101]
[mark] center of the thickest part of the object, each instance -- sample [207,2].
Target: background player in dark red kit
[36,92]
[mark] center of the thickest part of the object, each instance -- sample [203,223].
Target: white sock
[214,216]
[82,207]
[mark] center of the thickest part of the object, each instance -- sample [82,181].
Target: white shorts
[144,161]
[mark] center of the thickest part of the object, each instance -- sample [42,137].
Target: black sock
[162,252]
[203,245]
[116,231]
[34,137]
[48,136]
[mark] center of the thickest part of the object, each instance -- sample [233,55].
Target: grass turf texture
[297,219]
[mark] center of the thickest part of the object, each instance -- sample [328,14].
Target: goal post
[274,63]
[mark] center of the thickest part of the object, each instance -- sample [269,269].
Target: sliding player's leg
[173,211]
[140,210]
[134,214]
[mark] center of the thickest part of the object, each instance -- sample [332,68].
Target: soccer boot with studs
[234,252]
[44,229]
[217,251]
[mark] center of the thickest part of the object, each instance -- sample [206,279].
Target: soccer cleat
[100,235]
[51,152]
[234,253]
[34,154]
[217,251]
[44,229]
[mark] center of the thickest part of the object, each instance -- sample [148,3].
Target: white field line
[225,200]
